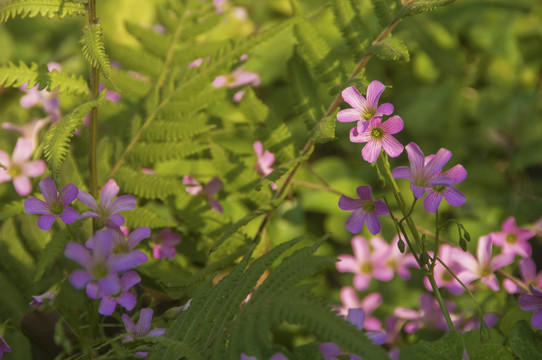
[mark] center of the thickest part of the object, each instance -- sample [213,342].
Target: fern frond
[57,139]
[274,134]
[317,53]
[232,169]
[382,11]
[391,48]
[181,348]
[350,23]
[13,208]
[94,49]
[419,6]
[307,104]
[147,186]
[151,153]
[46,8]
[176,131]
[22,74]
[142,216]
[154,42]
[138,60]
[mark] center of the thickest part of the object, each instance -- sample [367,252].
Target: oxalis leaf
[57,139]
[448,347]
[524,342]
[391,48]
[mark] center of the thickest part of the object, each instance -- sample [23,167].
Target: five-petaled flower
[18,168]
[124,243]
[122,297]
[533,302]
[142,328]
[377,135]
[514,240]
[101,266]
[108,210]
[364,109]
[420,174]
[365,211]
[55,204]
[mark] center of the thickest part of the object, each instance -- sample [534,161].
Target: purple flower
[365,211]
[356,317]
[4,347]
[277,356]
[141,329]
[55,204]
[513,240]
[46,298]
[18,168]
[210,189]
[533,302]
[350,300]
[125,242]
[122,297]
[429,316]
[377,135]
[101,265]
[483,267]
[164,244]
[108,210]
[527,269]
[420,174]
[364,109]
[453,196]
[264,161]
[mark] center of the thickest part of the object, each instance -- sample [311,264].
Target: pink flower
[264,160]
[364,264]
[513,240]
[164,244]
[30,130]
[18,168]
[483,266]
[451,256]
[377,135]
[364,109]
[453,196]
[210,189]
[527,269]
[395,260]
[237,78]
[48,99]
[350,300]
[429,316]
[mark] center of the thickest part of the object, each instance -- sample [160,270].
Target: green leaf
[154,42]
[419,6]
[94,49]
[391,48]
[448,347]
[148,186]
[524,343]
[151,153]
[13,208]
[324,131]
[350,23]
[141,216]
[493,352]
[46,8]
[22,74]
[57,139]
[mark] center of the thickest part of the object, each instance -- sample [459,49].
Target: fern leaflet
[22,74]
[391,48]
[46,8]
[353,30]
[382,11]
[57,139]
[147,186]
[94,49]
[419,6]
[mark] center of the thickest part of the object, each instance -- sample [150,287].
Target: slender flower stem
[93,125]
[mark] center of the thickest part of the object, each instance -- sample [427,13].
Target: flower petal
[432,201]
[110,284]
[129,279]
[373,224]
[69,215]
[128,324]
[144,322]
[385,109]
[123,203]
[87,199]
[349,204]
[33,168]
[46,221]
[381,208]
[371,151]
[391,146]
[78,253]
[349,115]
[355,221]
[109,191]
[213,186]
[393,125]
[69,193]
[127,300]
[454,197]
[137,235]
[107,306]
[22,185]
[402,172]
[156,332]
[356,317]
[456,173]
[374,90]
[35,206]
[23,151]
[436,163]
[364,192]
[79,278]
[353,97]
[530,302]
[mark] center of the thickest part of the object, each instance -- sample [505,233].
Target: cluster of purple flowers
[425,173]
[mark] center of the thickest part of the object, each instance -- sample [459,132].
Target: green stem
[93,125]
[443,308]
